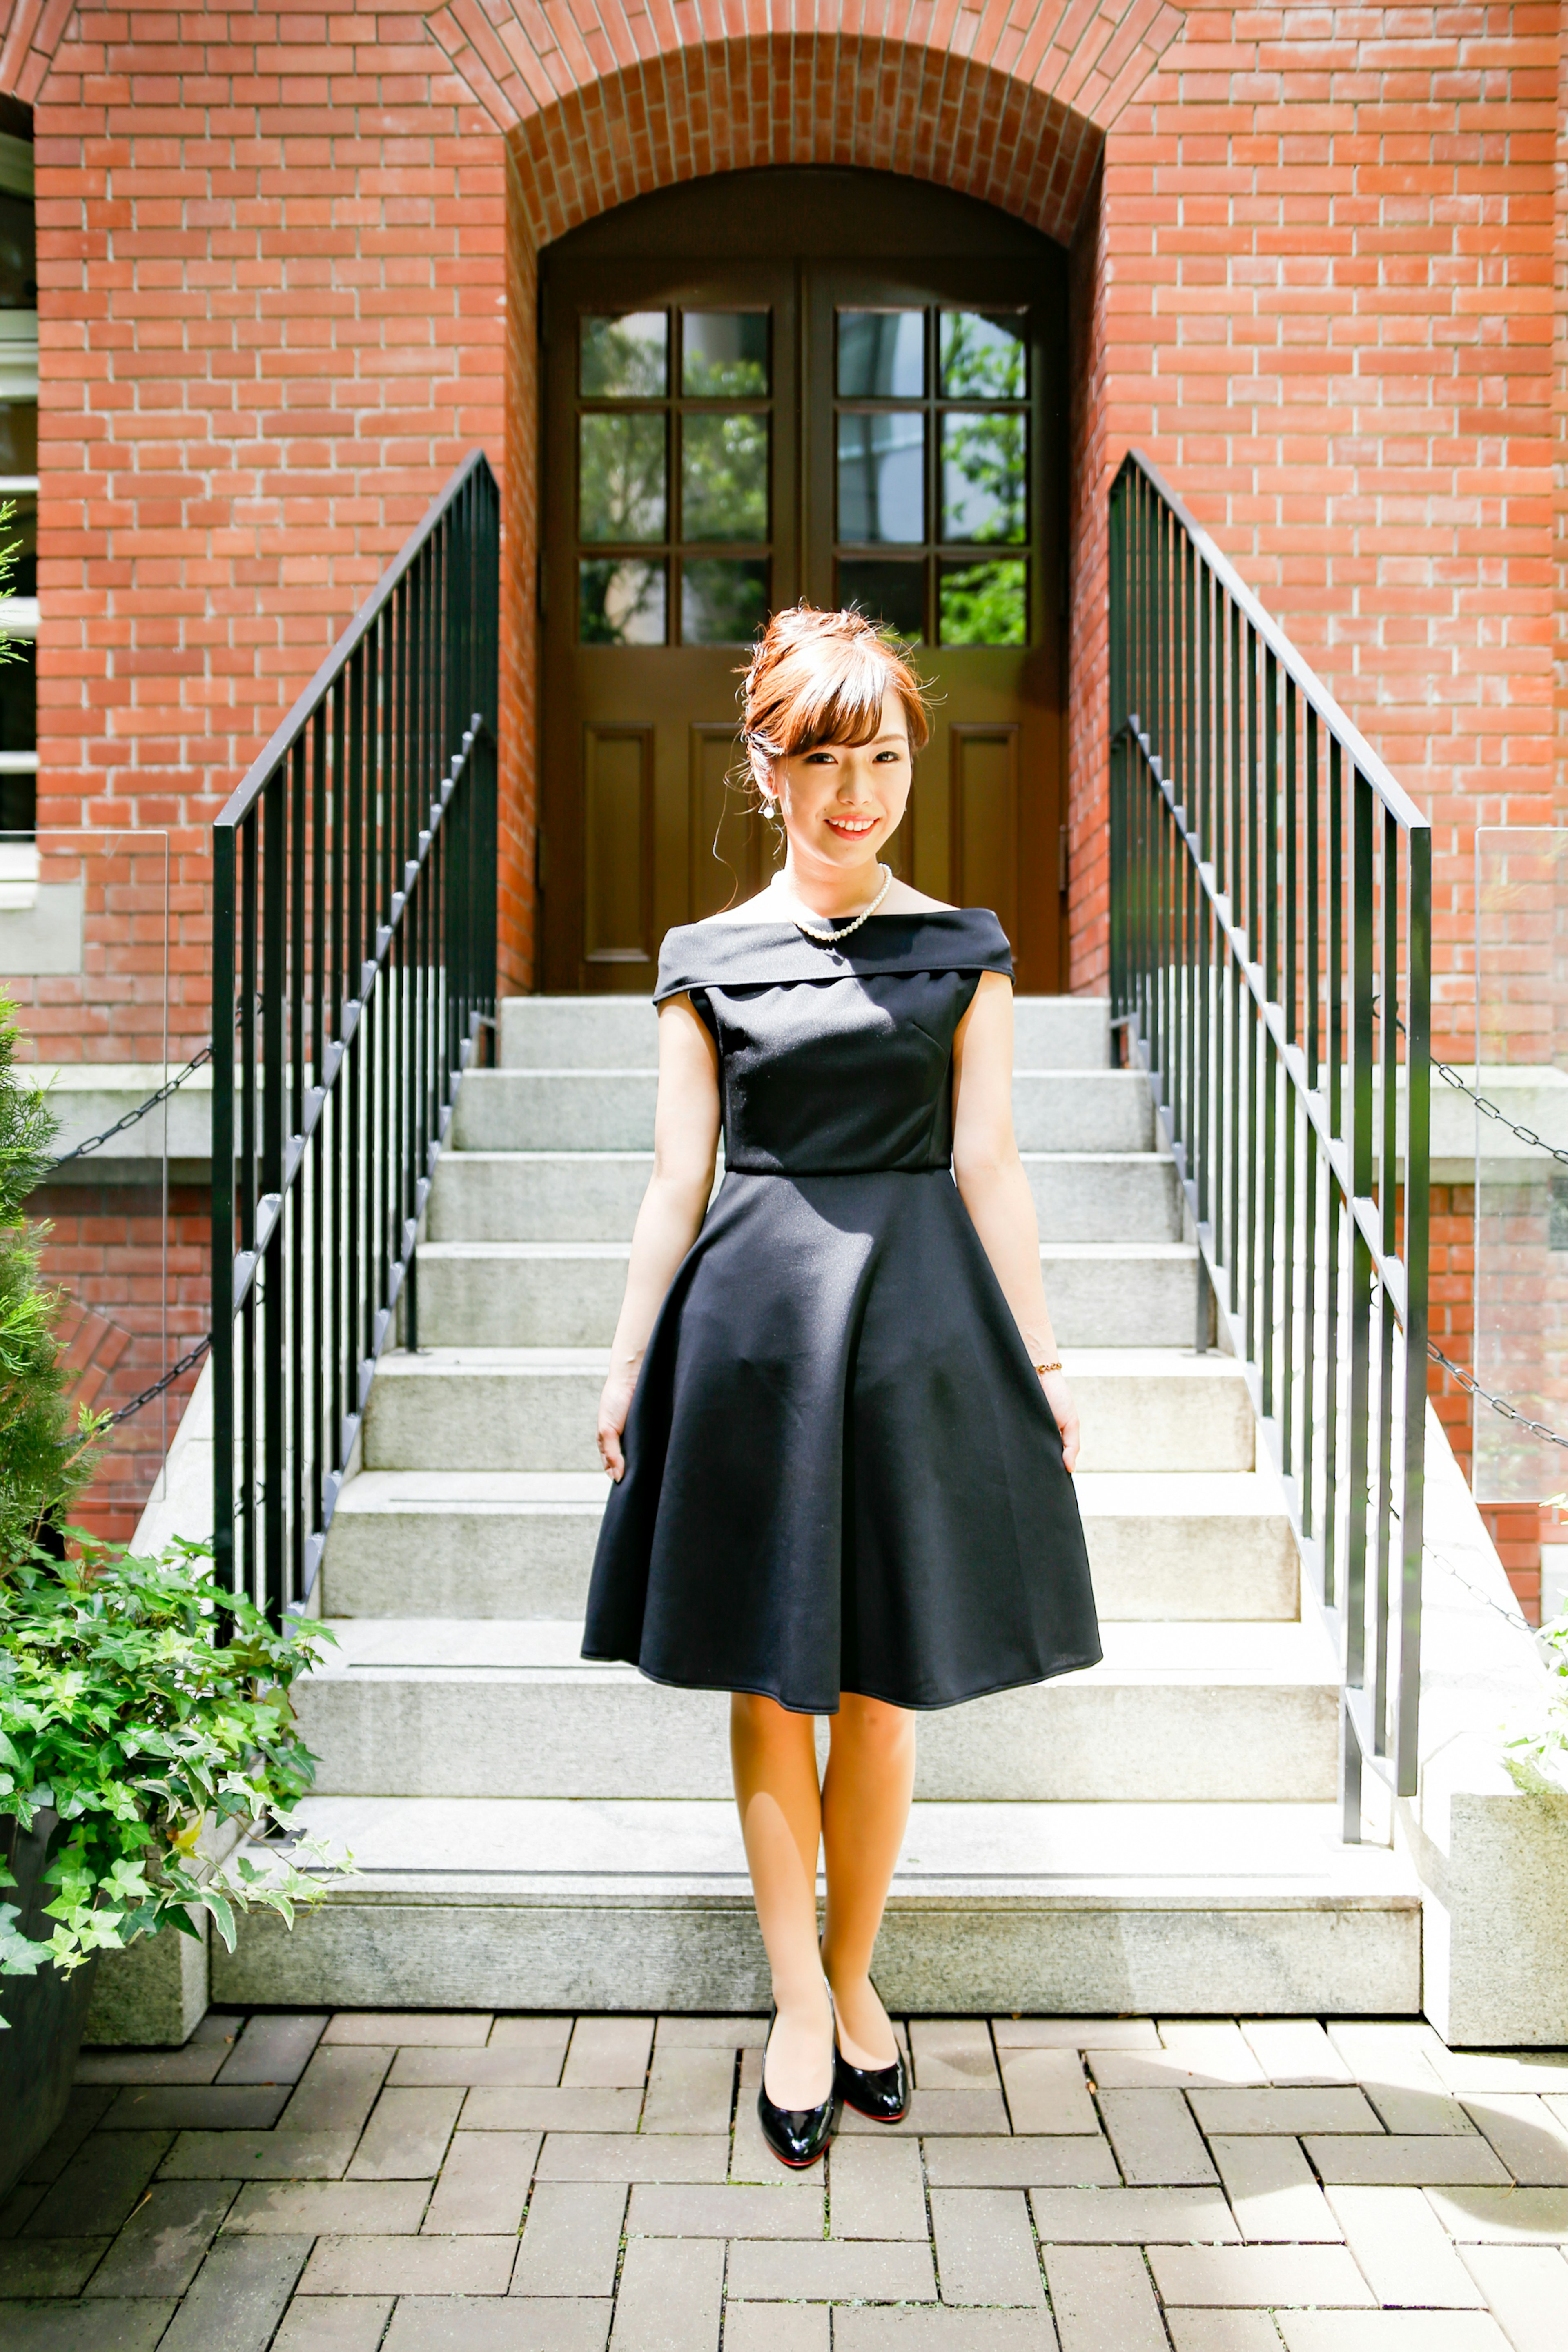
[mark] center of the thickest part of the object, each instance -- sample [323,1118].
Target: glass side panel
[620,483]
[984,604]
[724,354]
[890,594]
[881,478]
[984,355]
[725,477]
[19,254]
[624,356]
[882,354]
[619,604]
[723,599]
[984,477]
[19,698]
[22,533]
[18,437]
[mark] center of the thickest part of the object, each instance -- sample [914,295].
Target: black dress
[841,1473]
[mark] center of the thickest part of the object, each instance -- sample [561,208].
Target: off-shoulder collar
[713,954]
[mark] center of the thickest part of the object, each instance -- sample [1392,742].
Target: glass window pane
[620,603]
[723,600]
[18,437]
[984,477]
[882,354]
[984,604]
[725,477]
[890,594]
[724,354]
[620,483]
[18,803]
[21,533]
[881,478]
[626,357]
[984,355]
[18,256]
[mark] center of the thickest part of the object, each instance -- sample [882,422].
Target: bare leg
[866,1796]
[772,1755]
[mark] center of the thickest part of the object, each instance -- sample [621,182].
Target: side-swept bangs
[823,677]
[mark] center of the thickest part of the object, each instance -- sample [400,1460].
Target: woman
[835,1418]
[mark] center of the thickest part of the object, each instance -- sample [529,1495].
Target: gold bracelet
[1044,1369]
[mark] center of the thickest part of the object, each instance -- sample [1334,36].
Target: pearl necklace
[831,939]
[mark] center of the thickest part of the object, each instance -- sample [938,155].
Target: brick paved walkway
[333,2185]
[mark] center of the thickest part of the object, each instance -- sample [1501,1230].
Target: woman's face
[842,803]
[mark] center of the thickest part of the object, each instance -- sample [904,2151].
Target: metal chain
[193,1356]
[1492,1110]
[1472,1387]
[95,1143]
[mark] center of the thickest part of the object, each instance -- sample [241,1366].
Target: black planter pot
[46,2013]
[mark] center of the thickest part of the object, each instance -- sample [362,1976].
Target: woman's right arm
[685,1142]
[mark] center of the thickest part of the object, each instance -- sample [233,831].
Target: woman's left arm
[993,1187]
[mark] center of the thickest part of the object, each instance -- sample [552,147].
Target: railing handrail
[1388,788]
[288,729]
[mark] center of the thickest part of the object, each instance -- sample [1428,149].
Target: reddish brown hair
[822,677]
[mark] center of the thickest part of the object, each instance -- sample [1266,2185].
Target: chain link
[1472,1387]
[193,1356]
[95,1143]
[1494,1112]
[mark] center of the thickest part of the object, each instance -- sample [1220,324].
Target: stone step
[1184,1910]
[594,1196]
[568,1294]
[573,1033]
[611,1109]
[466,1408]
[513,1544]
[454,1706]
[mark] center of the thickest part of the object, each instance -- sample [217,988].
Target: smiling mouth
[853,826]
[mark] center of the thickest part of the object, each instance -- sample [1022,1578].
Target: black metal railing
[354,973]
[1272,961]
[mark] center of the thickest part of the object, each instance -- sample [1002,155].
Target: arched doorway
[835,384]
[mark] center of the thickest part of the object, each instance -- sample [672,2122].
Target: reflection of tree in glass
[725,477]
[983,494]
[982,357]
[623,358]
[621,479]
[724,354]
[620,603]
[722,603]
[983,604]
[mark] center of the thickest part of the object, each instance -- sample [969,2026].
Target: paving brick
[484,2184]
[1336,2108]
[103,2180]
[197,2063]
[258,2155]
[625,2157]
[608,2053]
[1144,2070]
[238,2296]
[1486,2074]
[274,2049]
[1223,2331]
[690,2090]
[1102,2299]
[196,2106]
[408,2028]
[938,2111]
[409,2265]
[136,2324]
[339,2323]
[669,2210]
[875,2189]
[1393,2065]
[953,2054]
[406,2136]
[985,2247]
[776,2327]
[568,2109]
[1273,2193]
[1526,2289]
[1404,2250]
[503,2065]
[750,2156]
[1157,2143]
[834,2270]
[669,2299]
[572,2241]
[710,2033]
[339,2087]
[1391,2331]
[529,2032]
[16,2208]
[1504,2217]
[367,2207]
[1072,2161]
[1048,2091]
[1293,2050]
[40,2266]
[942,2331]
[1132,2217]
[1074,2034]
[1527,2134]
[162,2246]
[1399,2161]
[459,2322]
[83,2111]
[1259,2276]
[1212,2048]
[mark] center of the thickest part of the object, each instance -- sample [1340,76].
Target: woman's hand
[1064,1412]
[614,1403]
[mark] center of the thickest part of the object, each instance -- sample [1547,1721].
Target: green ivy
[143,1704]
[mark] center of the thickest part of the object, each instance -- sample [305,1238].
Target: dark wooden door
[727,430]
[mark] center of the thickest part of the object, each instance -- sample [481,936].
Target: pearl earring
[769,810]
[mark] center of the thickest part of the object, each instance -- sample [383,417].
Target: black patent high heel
[798,2137]
[880,2092]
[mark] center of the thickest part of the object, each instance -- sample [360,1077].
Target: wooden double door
[777,385]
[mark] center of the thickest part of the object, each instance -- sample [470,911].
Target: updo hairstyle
[822,677]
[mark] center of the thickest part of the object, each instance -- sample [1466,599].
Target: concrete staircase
[1158,1833]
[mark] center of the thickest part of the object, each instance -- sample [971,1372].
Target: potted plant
[144,1712]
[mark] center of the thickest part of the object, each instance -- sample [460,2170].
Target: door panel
[984,792]
[619,844]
